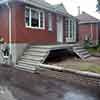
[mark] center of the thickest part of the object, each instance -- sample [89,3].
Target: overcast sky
[88,6]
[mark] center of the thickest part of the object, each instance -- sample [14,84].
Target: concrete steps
[35,58]
[38,50]
[26,68]
[32,57]
[81,52]
[36,55]
[41,54]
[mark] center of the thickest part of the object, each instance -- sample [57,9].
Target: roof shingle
[42,4]
[86,18]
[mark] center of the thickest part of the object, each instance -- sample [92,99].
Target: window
[27,13]
[49,22]
[41,19]
[71,28]
[66,25]
[34,18]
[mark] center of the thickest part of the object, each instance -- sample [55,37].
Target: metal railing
[3,59]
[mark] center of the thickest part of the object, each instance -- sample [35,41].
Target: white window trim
[30,17]
[73,27]
[38,10]
[39,19]
[50,26]
[68,27]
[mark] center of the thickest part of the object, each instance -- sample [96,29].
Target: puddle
[75,95]
[6,94]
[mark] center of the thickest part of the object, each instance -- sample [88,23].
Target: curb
[61,69]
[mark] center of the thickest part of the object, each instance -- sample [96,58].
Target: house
[24,22]
[88,28]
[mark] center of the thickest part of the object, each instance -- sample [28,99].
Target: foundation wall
[17,51]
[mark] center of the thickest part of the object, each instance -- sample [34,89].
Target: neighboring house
[88,28]
[35,21]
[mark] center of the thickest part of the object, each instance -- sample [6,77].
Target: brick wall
[28,35]
[85,29]
[4,22]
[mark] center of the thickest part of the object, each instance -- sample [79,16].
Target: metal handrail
[4,59]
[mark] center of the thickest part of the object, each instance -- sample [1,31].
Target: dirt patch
[92,64]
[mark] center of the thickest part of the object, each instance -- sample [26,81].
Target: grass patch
[94,50]
[95,69]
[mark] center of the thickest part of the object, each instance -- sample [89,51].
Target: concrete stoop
[37,54]
[81,52]
[32,57]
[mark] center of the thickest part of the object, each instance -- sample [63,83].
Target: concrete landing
[37,54]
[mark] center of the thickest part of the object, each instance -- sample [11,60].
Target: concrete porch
[56,46]
[37,54]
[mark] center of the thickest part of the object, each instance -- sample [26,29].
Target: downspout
[10,32]
[91,32]
[97,37]
[75,30]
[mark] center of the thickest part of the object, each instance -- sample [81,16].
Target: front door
[60,29]
[71,37]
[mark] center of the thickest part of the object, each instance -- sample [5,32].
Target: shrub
[87,44]
[1,40]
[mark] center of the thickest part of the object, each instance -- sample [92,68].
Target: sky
[88,6]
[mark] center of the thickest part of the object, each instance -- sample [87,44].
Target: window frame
[27,16]
[39,18]
[71,27]
[50,22]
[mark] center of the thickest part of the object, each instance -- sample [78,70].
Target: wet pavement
[46,89]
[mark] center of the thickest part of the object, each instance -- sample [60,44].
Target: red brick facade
[21,34]
[28,35]
[86,30]
[4,22]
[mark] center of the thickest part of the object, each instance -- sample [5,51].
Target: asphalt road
[47,89]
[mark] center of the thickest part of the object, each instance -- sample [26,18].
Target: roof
[60,9]
[86,18]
